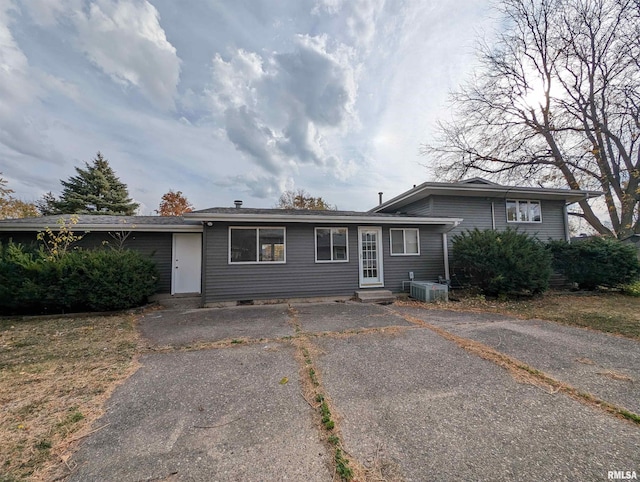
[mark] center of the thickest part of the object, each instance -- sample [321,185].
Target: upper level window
[331,245]
[523,211]
[405,241]
[257,245]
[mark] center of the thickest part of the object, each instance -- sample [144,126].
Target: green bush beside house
[512,263]
[33,282]
[596,262]
[502,263]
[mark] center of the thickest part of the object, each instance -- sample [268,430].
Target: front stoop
[185,301]
[383,297]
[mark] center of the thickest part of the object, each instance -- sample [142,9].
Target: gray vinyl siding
[476,213]
[301,276]
[424,207]
[157,246]
[551,228]
[426,267]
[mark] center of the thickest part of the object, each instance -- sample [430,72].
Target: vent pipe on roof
[379,198]
[238,203]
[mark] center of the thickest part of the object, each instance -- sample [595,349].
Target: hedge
[93,280]
[503,263]
[596,262]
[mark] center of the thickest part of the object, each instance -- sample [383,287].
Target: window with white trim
[519,211]
[332,245]
[404,242]
[257,245]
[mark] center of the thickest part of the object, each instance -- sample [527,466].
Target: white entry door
[370,247]
[187,263]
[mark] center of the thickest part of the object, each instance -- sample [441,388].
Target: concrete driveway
[223,398]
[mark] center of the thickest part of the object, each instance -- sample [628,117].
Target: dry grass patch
[607,312]
[55,374]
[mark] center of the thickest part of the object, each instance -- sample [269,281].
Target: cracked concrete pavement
[410,404]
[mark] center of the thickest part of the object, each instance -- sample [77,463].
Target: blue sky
[236,99]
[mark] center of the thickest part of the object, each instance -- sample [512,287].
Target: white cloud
[252,137]
[258,186]
[358,17]
[15,85]
[46,13]
[283,109]
[21,87]
[319,82]
[234,82]
[267,95]
[125,40]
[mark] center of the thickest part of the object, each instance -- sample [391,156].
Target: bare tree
[555,102]
[301,199]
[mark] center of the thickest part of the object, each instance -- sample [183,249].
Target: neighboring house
[244,254]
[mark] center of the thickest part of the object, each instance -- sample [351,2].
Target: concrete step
[178,302]
[383,297]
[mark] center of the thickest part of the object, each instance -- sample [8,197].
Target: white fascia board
[288,218]
[147,228]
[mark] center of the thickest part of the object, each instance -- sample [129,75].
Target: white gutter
[318,219]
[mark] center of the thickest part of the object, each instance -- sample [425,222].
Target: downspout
[565,213]
[493,215]
[203,264]
[445,251]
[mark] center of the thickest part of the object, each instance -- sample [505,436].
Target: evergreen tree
[46,205]
[95,190]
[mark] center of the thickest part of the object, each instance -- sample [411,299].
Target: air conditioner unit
[428,292]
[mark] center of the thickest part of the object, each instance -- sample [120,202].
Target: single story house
[243,254]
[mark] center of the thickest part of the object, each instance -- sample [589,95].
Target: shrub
[596,262]
[632,289]
[31,281]
[502,263]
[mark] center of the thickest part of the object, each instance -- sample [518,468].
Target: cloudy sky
[230,99]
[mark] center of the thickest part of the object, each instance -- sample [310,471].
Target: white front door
[187,263]
[370,247]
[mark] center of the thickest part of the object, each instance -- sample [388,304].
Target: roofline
[155,228]
[483,188]
[311,218]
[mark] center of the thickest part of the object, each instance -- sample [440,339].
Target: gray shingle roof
[97,219]
[104,223]
[287,212]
